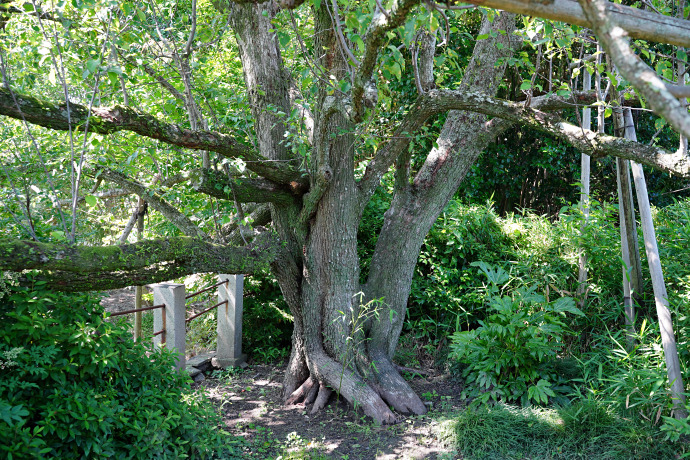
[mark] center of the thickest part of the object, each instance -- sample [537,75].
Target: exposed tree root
[393,388]
[301,393]
[311,394]
[351,387]
[321,399]
[328,375]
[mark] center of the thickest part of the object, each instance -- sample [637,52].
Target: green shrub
[443,295]
[75,385]
[633,382]
[506,357]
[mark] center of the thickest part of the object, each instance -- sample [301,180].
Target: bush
[75,385]
[443,295]
[508,354]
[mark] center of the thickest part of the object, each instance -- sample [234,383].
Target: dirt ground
[251,406]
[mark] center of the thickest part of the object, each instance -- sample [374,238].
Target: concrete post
[171,318]
[229,351]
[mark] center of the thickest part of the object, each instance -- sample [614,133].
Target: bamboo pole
[585,168]
[660,296]
[630,250]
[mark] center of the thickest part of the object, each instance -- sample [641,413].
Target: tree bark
[416,205]
[637,23]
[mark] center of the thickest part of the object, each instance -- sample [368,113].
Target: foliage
[443,296]
[506,355]
[633,382]
[74,384]
[583,430]
[266,321]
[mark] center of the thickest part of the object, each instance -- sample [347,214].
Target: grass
[584,430]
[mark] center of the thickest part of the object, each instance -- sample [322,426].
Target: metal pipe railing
[189,296]
[126,312]
[205,311]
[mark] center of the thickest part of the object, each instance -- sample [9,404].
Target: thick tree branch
[374,39]
[18,255]
[679,91]
[108,120]
[259,217]
[614,40]
[640,24]
[421,111]
[217,184]
[223,5]
[594,144]
[76,268]
[154,200]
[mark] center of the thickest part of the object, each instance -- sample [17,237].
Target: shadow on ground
[251,406]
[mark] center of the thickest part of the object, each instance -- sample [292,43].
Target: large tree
[326,126]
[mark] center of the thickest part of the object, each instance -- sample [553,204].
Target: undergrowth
[585,430]
[74,385]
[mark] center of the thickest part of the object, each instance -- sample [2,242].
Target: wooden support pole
[585,168]
[139,290]
[630,249]
[668,339]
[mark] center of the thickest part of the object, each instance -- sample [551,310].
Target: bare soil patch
[251,406]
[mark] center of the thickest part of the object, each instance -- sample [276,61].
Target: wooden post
[660,296]
[584,195]
[171,318]
[630,249]
[229,350]
[139,290]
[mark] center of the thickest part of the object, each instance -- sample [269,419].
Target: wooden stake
[660,296]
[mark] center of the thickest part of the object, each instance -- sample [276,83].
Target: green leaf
[396,70]
[57,234]
[566,305]
[91,200]
[93,64]
[525,85]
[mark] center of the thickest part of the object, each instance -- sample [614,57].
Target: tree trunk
[342,341]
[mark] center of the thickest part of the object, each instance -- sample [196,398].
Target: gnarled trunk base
[384,391]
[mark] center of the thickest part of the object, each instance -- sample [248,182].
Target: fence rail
[127,312]
[205,311]
[189,296]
